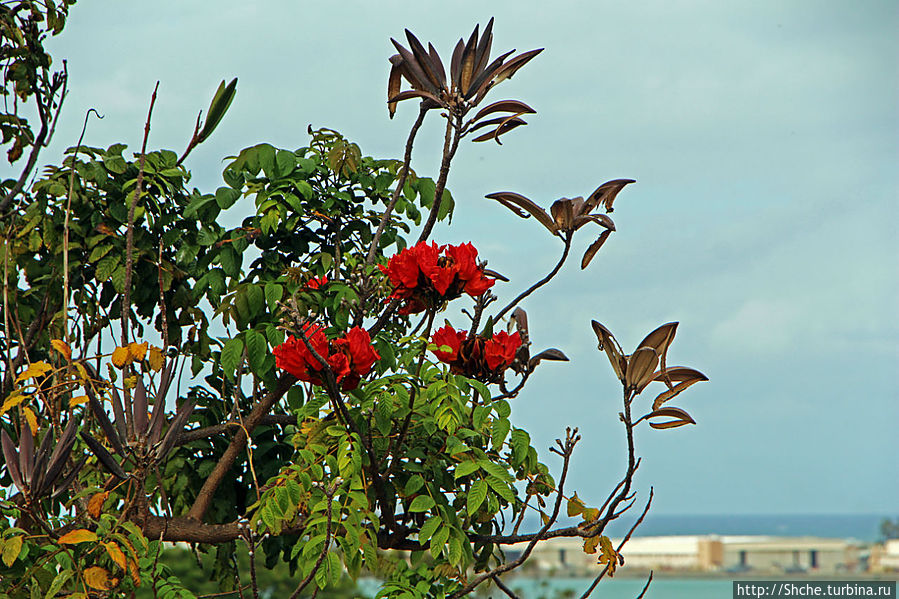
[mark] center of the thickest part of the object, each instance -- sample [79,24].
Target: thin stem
[541,282]
[567,448]
[129,236]
[65,229]
[450,145]
[42,139]
[401,182]
[305,582]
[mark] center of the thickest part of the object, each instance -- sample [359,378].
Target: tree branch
[541,282]
[401,181]
[207,491]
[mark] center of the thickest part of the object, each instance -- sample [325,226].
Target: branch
[65,238]
[218,429]
[401,182]
[329,492]
[129,237]
[626,538]
[450,145]
[571,440]
[541,282]
[43,136]
[206,493]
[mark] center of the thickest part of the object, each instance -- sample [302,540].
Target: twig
[541,282]
[504,588]
[42,139]
[645,586]
[450,145]
[65,229]
[567,448]
[401,182]
[329,493]
[626,538]
[129,236]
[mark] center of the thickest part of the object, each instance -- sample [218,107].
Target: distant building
[885,558]
[709,553]
[790,554]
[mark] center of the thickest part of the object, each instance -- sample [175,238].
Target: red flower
[427,275]
[350,357]
[499,350]
[480,358]
[448,336]
[316,283]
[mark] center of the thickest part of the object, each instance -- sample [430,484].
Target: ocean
[861,527]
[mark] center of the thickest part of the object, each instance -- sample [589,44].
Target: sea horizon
[861,527]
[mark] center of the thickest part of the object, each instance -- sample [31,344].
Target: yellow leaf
[77,401]
[97,578]
[590,514]
[95,504]
[11,549]
[35,370]
[590,544]
[544,518]
[63,348]
[155,359]
[137,351]
[116,554]
[130,382]
[82,371]
[134,571]
[609,556]
[121,357]
[31,418]
[76,536]
[575,506]
[14,399]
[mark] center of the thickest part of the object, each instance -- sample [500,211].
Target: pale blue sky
[763,137]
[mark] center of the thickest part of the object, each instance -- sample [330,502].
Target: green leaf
[502,488]
[494,469]
[476,496]
[499,430]
[466,468]
[521,442]
[428,528]
[335,569]
[439,540]
[221,101]
[232,353]
[58,583]
[422,503]
[225,197]
[11,549]
[413,485]
[503,408]
[255,300]
[273,294]
[285,162]
[446,205]
[230,261]
[257,349]
[98,252]
[455,551]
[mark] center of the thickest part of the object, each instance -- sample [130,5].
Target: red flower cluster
[476,357]
[427,275]
[350,358]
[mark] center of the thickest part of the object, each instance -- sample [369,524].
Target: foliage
[279,385]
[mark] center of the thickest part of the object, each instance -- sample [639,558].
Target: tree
[325,419]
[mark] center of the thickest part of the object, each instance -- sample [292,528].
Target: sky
[764,138]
